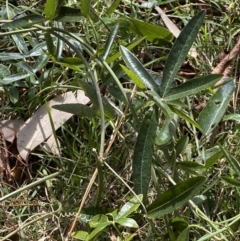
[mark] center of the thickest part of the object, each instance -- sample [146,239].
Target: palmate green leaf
[25,21]
[138,69]
[216,107]
[153,33]
[50,8]
[231,181]
[85,7]
[175,197]
[129,207]
[110,41]
[77,109]
[179,51]
[143,151]
[191,87]
[233,162]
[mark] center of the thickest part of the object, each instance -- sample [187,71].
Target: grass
[47,210]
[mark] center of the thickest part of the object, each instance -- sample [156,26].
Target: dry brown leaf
[51,145]
[10,128]
[38,128]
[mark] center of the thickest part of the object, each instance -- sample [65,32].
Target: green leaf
[190,165]
[211,115]
[181,145]
[4,71]
[179,51]
[233,162]
[143,151]
[13,94]
[98,219]
[212,156]
[184,235]
[12,56]
[158,100]
[133,77]
[50,45]
[164,136]
[129,47]
[15,77]
[85,7]
[127,222]
[80,235]
[20,43]
[231,181]
[186,118]
[50,8]
[110,40]
[191,87]
[91,93]
[98,229]
[235,117]
[77,109]
[40,62]
[153,33]
[67,14]
[113,7]
[129,207]
[175,197]
[137,68]
[178,225]
[24,21]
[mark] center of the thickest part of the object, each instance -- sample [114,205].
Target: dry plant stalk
[224,67]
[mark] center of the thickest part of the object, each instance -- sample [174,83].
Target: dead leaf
[10,128]
[51,145]
[38,128]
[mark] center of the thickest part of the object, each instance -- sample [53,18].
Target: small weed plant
[147,152]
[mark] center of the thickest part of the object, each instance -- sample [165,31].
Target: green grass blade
[137,68]
[142,158]
[110,41]
[192,87]
[216,107]
[179,51]
[233,162]
[175,197]
[113,7]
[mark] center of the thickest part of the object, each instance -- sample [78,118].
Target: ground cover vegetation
[119,120]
